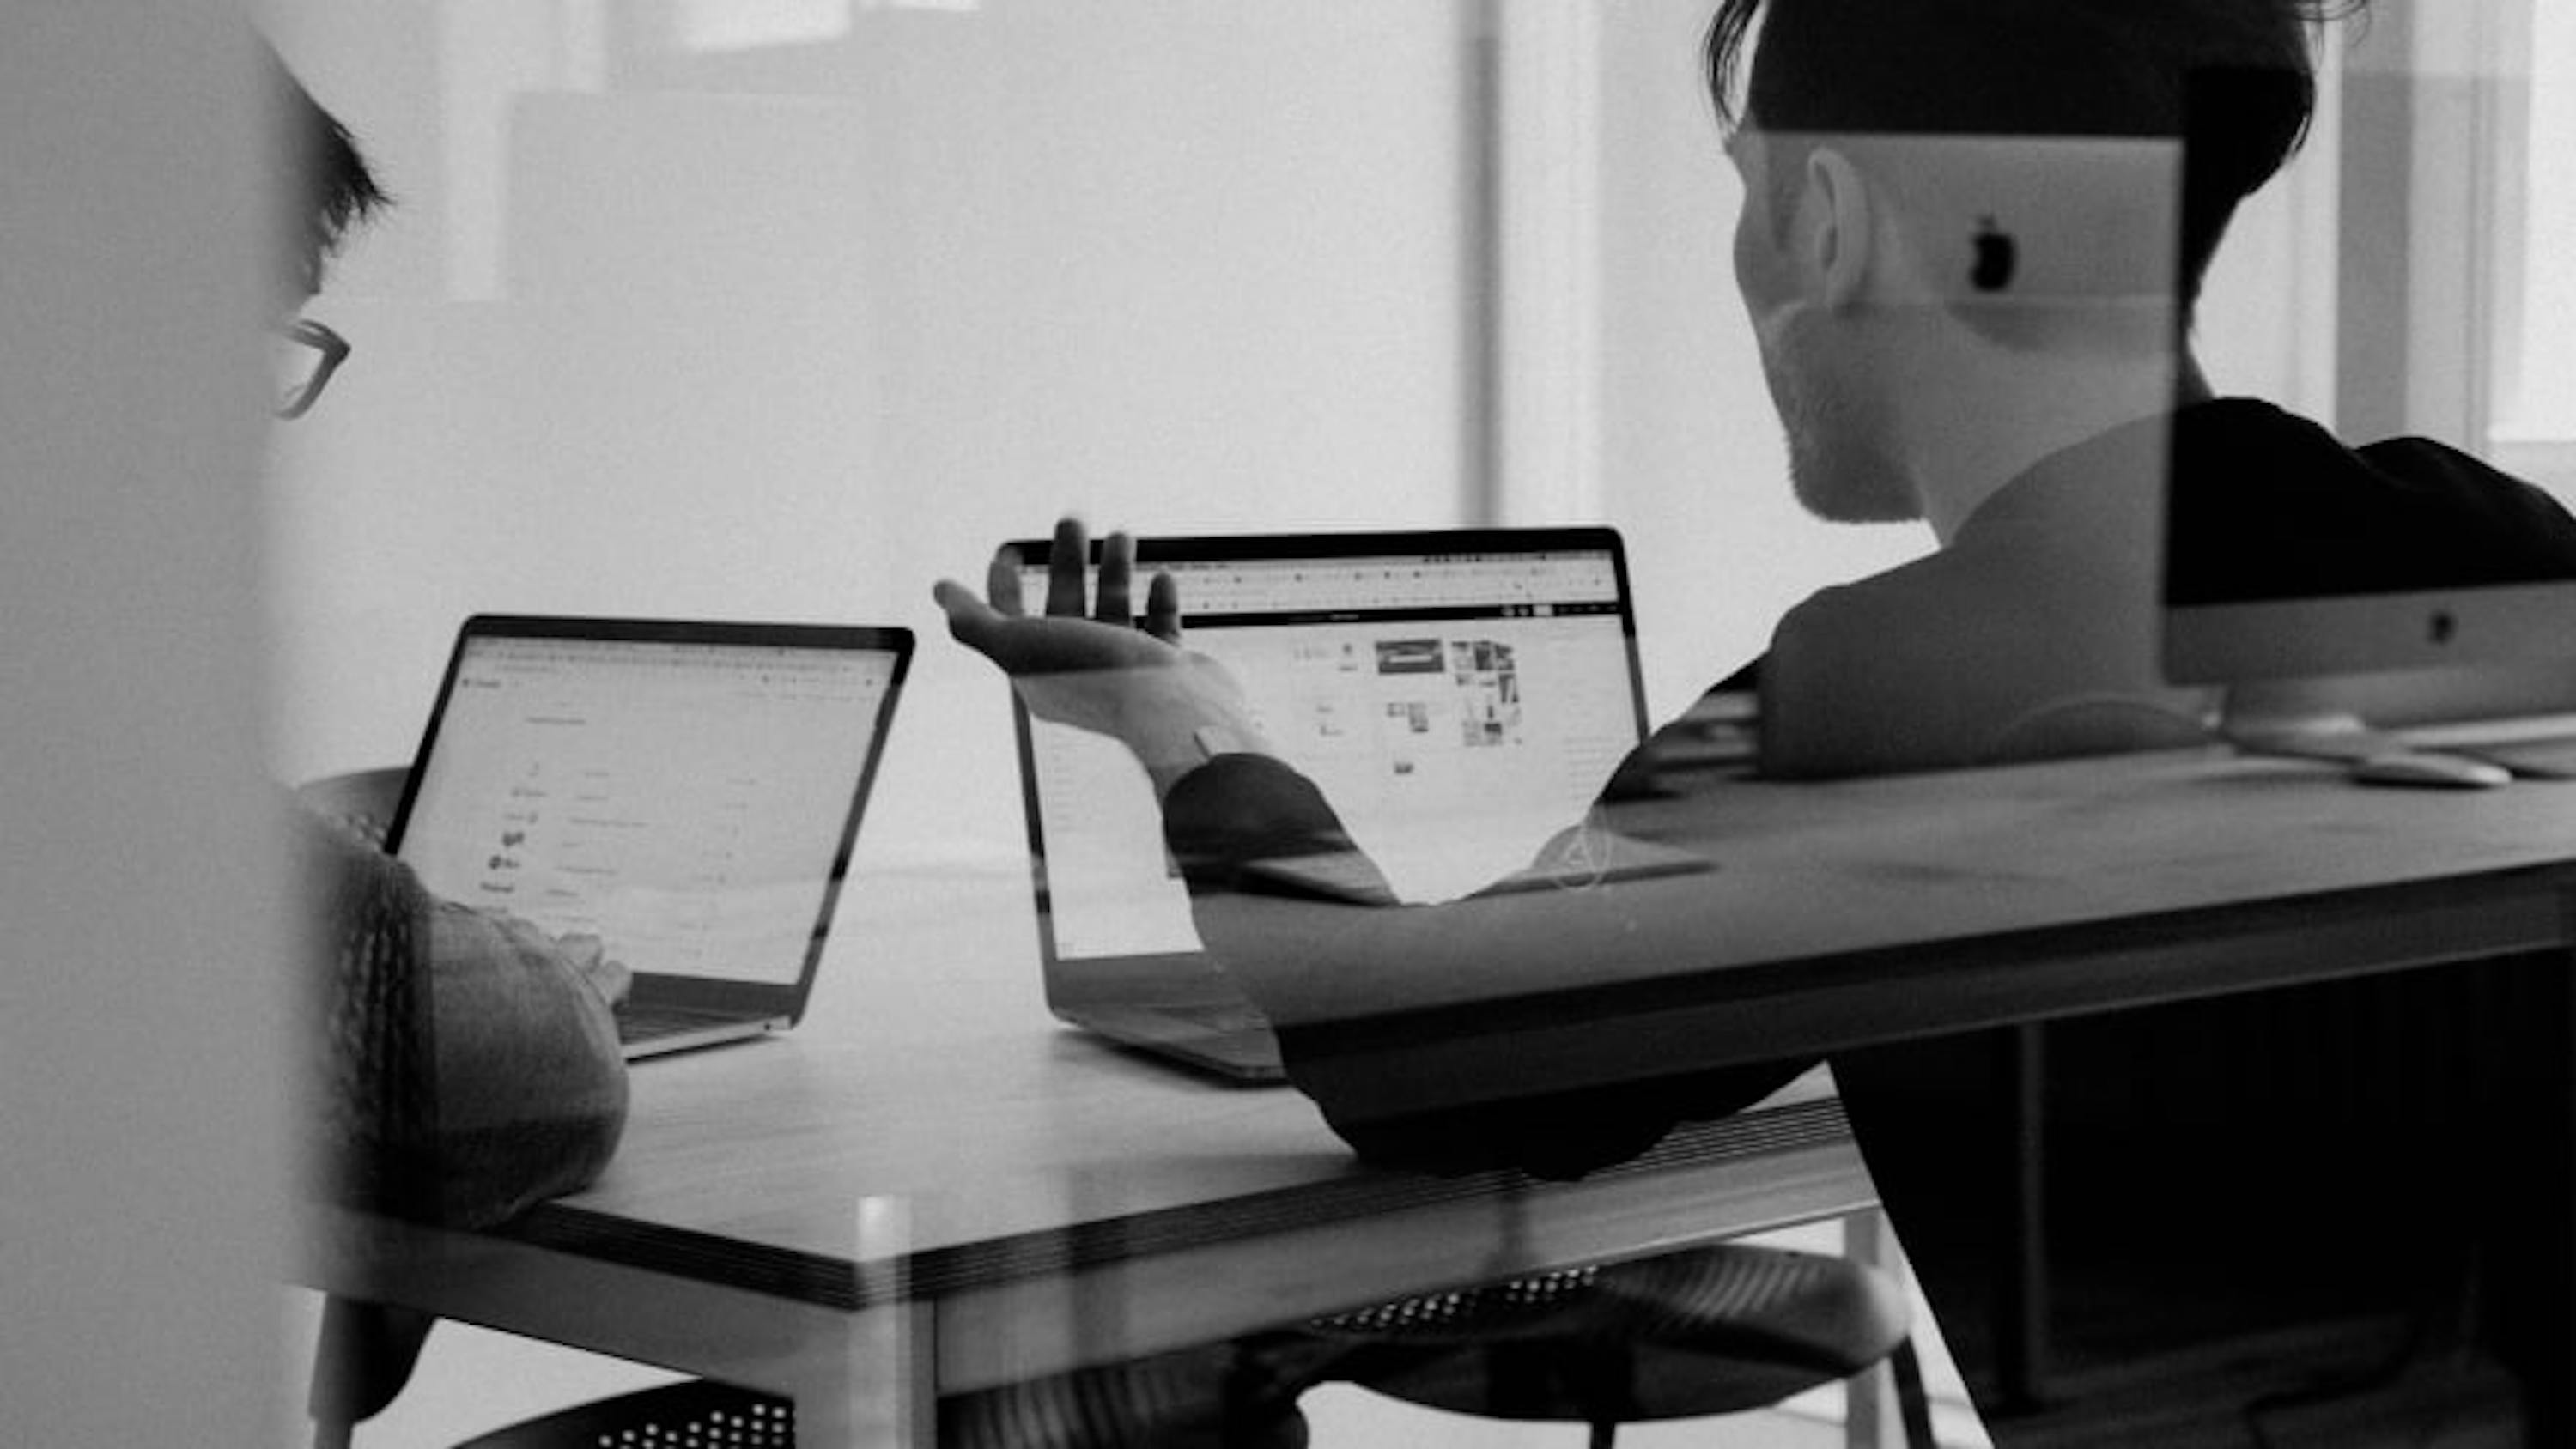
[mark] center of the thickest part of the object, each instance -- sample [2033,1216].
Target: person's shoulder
[2426,463]
[2434,482]
[1861,673]
[2250,441]
[2257,488]
[1946,587]
[351,891]
[2293,448]
[330,851]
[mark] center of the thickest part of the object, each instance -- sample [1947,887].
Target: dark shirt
[2033,634]
[2235,1166]
[2270,506]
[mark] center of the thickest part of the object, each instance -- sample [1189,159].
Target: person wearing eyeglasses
[307,353]
[525,1089]
[464,1065]
[328,190]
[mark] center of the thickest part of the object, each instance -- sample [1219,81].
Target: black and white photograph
[1288,724]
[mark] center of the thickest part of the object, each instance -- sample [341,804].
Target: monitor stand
[2346,721]
[2306,719]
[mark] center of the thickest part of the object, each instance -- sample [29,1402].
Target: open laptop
[686,792]
[1461,696]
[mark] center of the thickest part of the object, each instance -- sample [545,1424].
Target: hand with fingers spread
[1089,663]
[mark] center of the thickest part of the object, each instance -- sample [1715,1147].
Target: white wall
[142,979]
[792,332]
[795,329]
[796,332]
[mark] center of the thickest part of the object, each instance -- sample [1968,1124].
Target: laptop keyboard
[650,1023]
[635,1024]
[1221,1018]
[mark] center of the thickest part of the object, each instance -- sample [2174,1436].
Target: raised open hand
[1071,636]
[1090,663]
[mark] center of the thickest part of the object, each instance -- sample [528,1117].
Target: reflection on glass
[2332,582]
[876,290]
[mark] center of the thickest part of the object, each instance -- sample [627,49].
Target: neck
[1976,427]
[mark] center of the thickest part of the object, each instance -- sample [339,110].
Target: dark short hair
[2240,74]
[329,188]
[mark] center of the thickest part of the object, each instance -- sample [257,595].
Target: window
[705,25]
[2453,273]
[2533,413]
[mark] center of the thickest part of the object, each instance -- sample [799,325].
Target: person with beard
[2036,449]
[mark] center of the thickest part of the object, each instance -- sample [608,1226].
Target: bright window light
[706,25]
[2538,401]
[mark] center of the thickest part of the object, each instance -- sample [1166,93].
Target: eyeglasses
[305,353]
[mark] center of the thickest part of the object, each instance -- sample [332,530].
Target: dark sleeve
[1223,820]
[1226,819]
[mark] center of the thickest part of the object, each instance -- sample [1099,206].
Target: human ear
[1838,242]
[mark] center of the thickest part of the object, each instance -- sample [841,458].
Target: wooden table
[1844,914]
[931,1188]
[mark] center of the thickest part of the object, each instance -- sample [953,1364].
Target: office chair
[1210,1398]
[362,801]
[1693,1334]
[1701,1333]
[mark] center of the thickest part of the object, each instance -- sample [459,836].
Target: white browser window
[685,803]
[1457,709]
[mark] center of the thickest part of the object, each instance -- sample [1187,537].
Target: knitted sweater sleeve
[462,1068]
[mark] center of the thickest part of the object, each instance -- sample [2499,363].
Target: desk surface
[931,1137]
[1843,914]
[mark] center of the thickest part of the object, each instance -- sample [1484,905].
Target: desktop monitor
[2315,633]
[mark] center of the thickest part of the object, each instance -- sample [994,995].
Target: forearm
[462,1067]
[1224,819]
[532,1087]
[1319,965]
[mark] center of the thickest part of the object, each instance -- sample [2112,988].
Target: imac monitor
[2429,590]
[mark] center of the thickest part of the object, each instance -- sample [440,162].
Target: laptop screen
[685,793]
[1459,697]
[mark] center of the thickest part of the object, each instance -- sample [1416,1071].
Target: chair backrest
[359,800]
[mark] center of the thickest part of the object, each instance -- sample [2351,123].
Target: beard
[1839,467]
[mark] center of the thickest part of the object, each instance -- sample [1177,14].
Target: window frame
[2433,256]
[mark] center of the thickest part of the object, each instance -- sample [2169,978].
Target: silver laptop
[686,792]
[1460,696]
